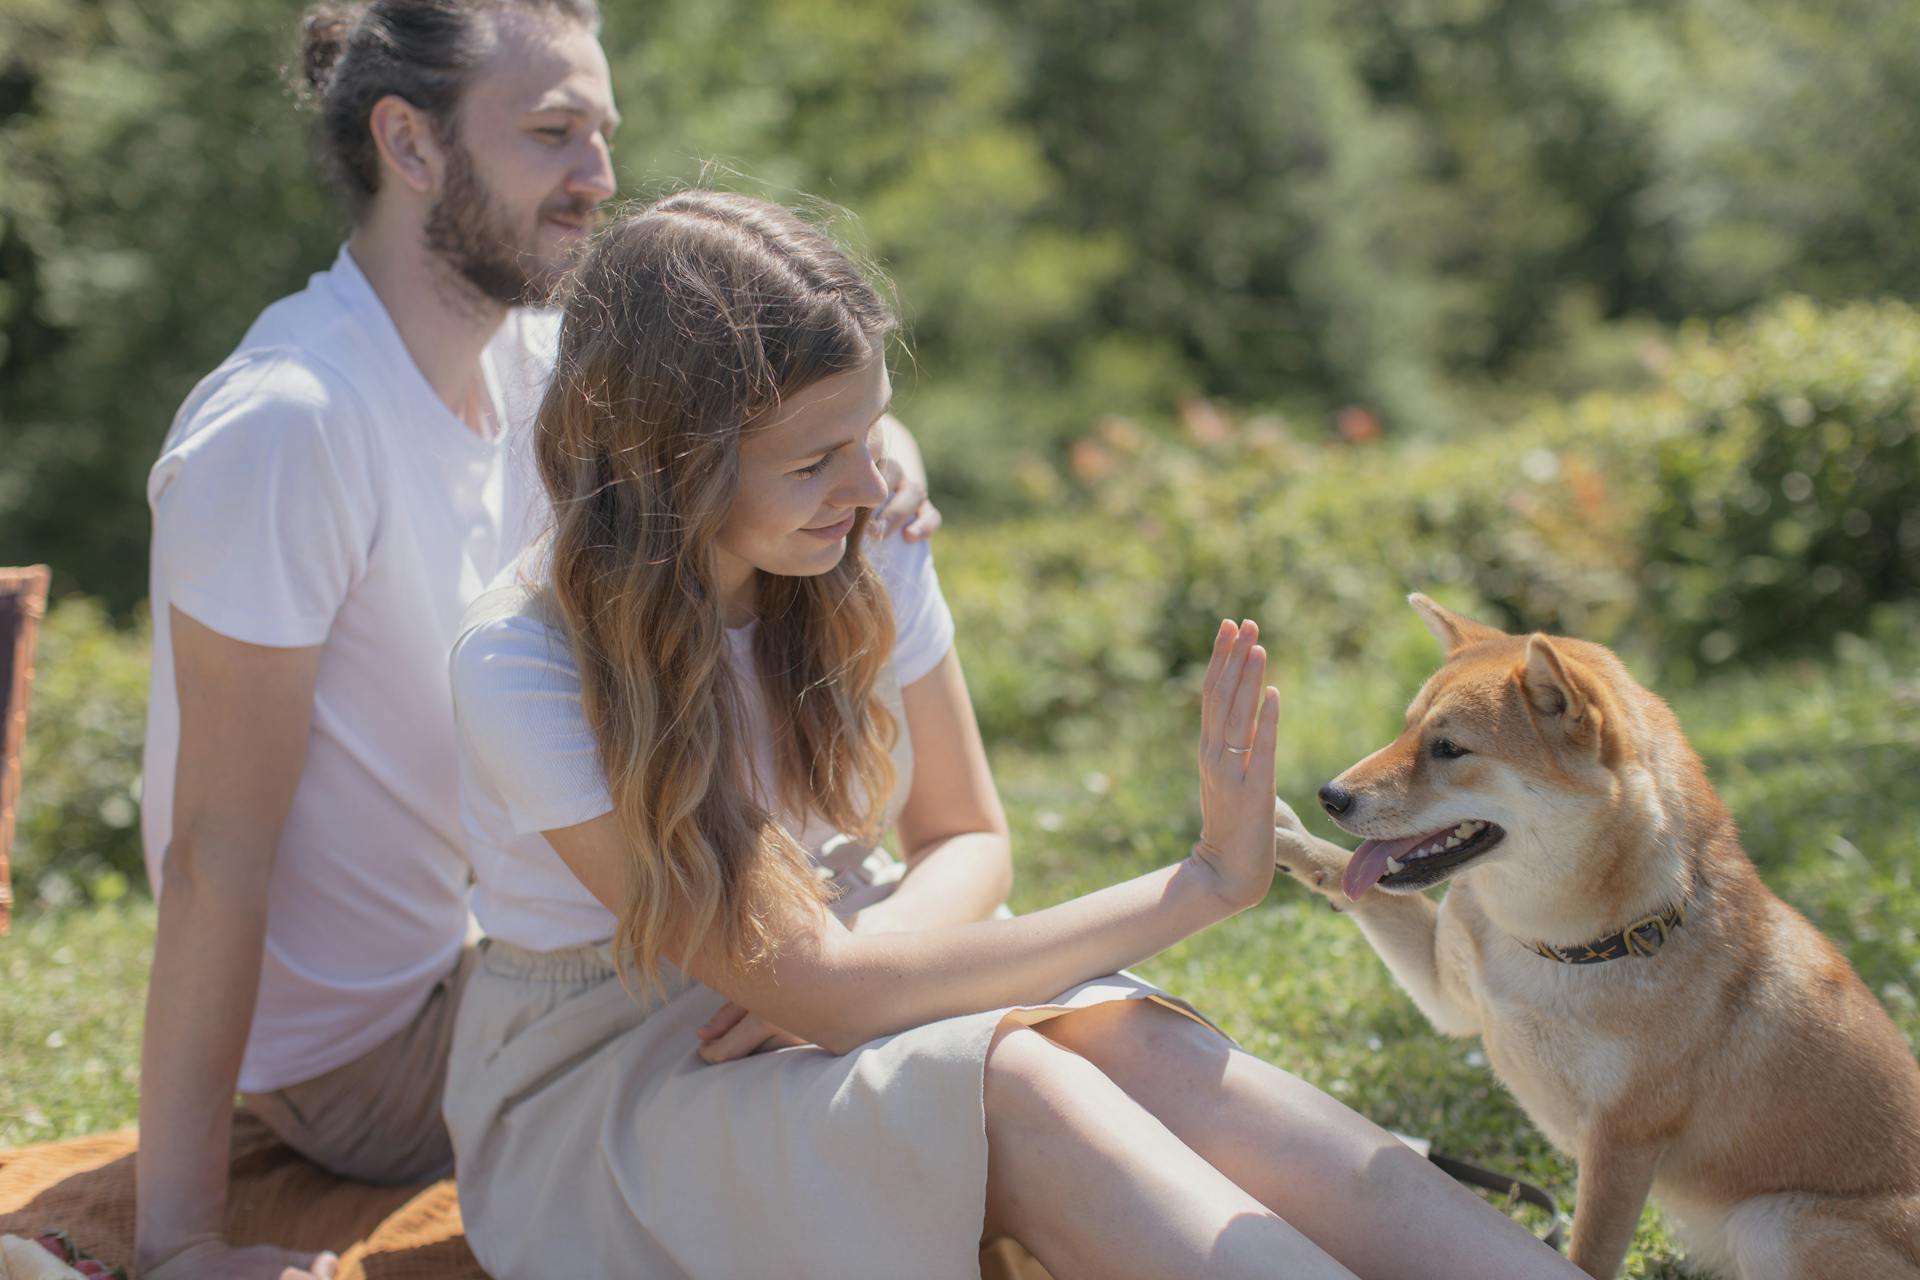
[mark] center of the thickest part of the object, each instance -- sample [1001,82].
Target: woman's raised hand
[1239,721]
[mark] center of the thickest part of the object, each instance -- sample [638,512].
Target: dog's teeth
[1465,829]
[1395,866]
[1452,841]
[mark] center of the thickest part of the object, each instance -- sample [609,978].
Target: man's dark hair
[354,54]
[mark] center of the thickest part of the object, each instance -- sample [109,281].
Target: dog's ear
[1555,690]
[1452,631]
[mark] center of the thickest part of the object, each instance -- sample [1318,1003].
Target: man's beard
[473,233]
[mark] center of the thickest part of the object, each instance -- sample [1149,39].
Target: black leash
[1512,1188]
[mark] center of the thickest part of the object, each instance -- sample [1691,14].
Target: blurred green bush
[1786,498]
[78,834]
[1764,494]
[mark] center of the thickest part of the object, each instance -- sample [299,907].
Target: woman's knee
[1022,1068]
[1024,1087]
[1124,1033]
[1034,1085]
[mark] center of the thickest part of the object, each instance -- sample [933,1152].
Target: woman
[682,1055]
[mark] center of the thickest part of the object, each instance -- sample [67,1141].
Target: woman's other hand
[1239,723]
[733,1032]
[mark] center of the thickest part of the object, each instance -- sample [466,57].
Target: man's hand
[217,1260]
[906,508]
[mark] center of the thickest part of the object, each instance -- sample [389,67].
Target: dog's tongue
[1369,862]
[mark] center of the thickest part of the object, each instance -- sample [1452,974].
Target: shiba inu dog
[1661,1015]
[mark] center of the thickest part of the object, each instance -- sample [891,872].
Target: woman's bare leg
[1349,1185]
[1097,1189]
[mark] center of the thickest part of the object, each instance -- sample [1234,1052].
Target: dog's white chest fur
[1538,1025]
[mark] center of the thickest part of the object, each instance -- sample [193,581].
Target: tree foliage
[1419,206]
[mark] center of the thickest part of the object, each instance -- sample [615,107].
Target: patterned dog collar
[1643,937]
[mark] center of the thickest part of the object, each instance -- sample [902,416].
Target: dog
[1662,1016]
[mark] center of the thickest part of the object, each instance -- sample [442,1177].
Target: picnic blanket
[85,1185]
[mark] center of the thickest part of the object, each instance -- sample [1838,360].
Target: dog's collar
[1644,937]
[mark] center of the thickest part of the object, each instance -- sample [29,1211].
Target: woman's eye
[814,470]
[557,133]
[1447,749]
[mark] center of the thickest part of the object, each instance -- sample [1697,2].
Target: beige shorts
[377,1119]
[595,1143]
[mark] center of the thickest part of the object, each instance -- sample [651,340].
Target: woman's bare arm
[953,832]
[951,828]
[840,988]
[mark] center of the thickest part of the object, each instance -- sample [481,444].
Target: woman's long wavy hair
[686,324]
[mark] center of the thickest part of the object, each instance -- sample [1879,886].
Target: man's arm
[245,711]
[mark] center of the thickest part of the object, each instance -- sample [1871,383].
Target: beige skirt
[591,1141]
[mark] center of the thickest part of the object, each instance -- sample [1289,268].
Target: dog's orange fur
[1743,1074]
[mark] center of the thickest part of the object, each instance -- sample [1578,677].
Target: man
[325,506]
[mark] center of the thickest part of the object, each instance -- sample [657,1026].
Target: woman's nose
[867,488]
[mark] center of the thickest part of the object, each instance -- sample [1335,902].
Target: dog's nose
[1336,799]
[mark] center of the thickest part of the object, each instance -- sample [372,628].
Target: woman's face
[803,477]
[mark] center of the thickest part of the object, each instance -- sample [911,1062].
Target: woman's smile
[835,531]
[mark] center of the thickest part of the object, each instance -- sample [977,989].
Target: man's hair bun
[353,53]
[324,29]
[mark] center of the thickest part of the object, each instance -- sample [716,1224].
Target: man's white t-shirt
[529,762]
[314,490]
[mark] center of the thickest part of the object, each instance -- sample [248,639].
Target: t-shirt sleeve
[516,702]
[922,623]
[263,516]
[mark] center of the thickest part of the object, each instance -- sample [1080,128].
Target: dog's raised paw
[1298,853]
[1323,881]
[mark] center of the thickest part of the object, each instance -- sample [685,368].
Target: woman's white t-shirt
[529,763]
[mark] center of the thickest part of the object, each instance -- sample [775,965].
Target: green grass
[1816,759]
[75,985]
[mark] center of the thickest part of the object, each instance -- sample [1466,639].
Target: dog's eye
[1447,749]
